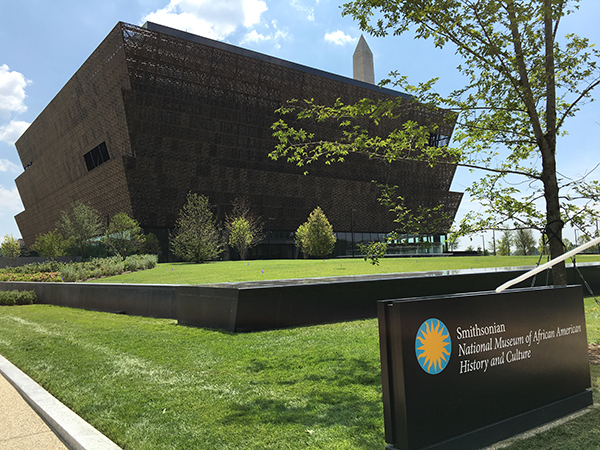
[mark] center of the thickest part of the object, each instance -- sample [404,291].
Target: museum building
[155,113]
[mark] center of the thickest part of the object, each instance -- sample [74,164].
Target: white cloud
[6,165]
[12,92]
[253,36]
[10,199]
[209,18]
[12,131]
[339,38]
[310,12]
[277,35]
[252,10]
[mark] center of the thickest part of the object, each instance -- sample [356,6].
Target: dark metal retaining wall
[253,306]
[146,300]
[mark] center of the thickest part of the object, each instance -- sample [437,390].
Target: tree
[123,236]
[453,241]
[80,225]
[583,239]
[151,244]
[51,245]
[243,227]
[524,241]
[196,237]
[524,83]
[10,247]
[315,236]
[568,244]
[505,243]
[373,251]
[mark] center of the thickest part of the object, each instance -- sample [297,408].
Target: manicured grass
[149,384]
[231,271]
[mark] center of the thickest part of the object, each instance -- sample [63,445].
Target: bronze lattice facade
[155,113]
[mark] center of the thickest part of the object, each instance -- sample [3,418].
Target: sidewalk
[20,426]
[32,419]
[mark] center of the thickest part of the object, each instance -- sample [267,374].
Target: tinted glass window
[96,156]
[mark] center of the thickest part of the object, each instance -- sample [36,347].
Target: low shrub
[50,266]
[133,263]
[112,268]
[140,262]
[47,277]
[10,298]
[149,261]
[69,272]
[82,274]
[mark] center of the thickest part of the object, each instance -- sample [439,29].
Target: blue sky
[43,43]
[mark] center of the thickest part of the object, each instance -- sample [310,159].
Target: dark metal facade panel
[86,112]
[260,57]
[199,119]
[181,115]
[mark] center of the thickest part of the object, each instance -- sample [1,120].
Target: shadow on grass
[349,396]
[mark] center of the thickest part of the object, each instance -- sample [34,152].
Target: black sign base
[515,425]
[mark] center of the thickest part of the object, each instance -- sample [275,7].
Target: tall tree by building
[196,237]
[11,248]
[315,236]
[244,228]
[51,245]
[80,225]
[123,235]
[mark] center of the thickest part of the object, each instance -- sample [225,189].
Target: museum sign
[465,371]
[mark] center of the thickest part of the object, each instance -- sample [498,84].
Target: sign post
[468,370]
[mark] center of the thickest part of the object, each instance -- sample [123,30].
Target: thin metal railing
[549,264]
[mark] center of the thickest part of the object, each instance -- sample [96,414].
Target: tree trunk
[554,223]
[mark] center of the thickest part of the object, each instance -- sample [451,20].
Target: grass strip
[232,271]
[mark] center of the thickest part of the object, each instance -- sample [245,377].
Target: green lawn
[231,271]
[150,384]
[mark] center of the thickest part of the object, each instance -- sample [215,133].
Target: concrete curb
[75,432]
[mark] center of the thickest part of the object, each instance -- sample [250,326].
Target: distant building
[155,113]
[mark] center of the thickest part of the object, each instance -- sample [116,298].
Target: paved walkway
[41,422]
[20,426]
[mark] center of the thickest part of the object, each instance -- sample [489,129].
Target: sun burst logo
[433,346]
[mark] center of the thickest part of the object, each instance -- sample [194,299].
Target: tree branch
[581,96]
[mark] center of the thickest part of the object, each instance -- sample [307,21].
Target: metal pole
[352,229]
[598,247]
[270,232]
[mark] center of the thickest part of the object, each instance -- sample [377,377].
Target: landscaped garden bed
[56,272]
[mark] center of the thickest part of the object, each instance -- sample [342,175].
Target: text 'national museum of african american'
[155,113]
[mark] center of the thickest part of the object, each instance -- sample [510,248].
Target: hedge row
[10,298]
[78,271]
